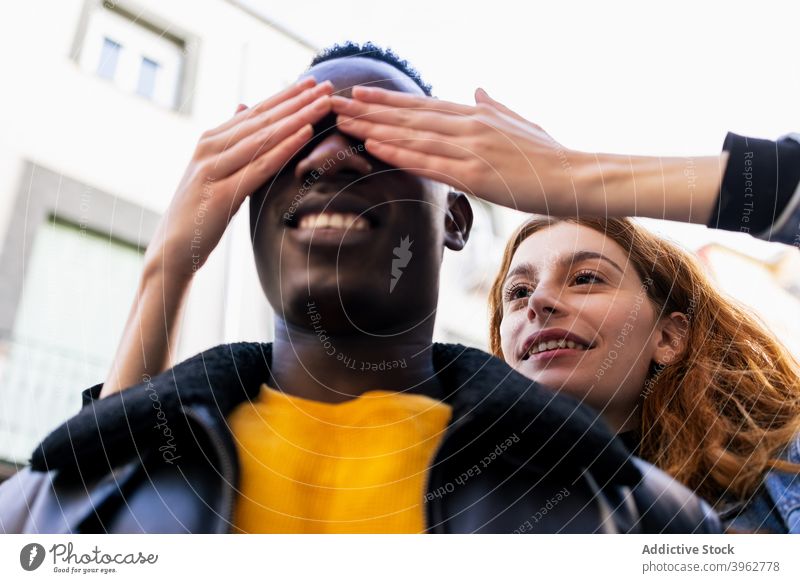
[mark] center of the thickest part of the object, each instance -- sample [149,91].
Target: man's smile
[342,219]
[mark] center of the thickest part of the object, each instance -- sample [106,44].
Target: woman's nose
[544,303]
[333,155]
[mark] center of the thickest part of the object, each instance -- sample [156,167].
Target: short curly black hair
[372,51]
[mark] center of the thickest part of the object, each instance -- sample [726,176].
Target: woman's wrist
[672,188]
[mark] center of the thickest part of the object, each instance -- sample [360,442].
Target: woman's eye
[517,292]
[587,278]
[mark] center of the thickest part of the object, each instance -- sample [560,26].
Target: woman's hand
[229,163]
[492,152]
[486,149]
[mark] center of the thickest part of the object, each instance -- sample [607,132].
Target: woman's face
[577,318]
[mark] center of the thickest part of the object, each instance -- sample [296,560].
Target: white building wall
[64,118]
[67,119]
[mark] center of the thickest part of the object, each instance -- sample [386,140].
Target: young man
[352,420]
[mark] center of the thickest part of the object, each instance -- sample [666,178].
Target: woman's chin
[555,377]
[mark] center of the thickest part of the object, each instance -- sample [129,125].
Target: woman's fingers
[398,99]
[288,107]
[250,148]
[252,176]
[249,126]
[292,90]
[426,165]
[481,96]
[413,139]
[473,176]
[426,117]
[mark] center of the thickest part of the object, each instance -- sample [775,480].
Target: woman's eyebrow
[578,256]
[522,269]
[528,270]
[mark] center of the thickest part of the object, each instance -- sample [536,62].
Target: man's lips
[552,342]
[339,219]
[340,211]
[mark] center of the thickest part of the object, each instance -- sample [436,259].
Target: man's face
[359,238]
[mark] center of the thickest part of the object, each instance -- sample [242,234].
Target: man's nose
[333,155]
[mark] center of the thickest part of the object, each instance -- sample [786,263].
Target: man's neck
[336,368]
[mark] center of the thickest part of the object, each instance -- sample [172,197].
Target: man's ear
[671,338]
[458,222]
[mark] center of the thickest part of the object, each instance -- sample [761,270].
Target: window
[69,268]
[107,67]
[147,78]
[134,54]
[77,290]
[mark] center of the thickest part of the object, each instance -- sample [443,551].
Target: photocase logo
[31,556]
[402,254]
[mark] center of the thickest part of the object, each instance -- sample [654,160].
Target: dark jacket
[760,189]
[159,458]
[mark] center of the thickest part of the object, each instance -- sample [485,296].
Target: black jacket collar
[489,399]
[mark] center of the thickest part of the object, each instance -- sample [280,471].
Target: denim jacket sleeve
[775,507]
[784,490]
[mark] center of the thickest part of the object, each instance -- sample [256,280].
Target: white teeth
[553,344]
[334,221]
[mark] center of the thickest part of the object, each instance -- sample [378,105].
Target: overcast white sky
[629,77]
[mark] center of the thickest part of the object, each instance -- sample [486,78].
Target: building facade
[102,105]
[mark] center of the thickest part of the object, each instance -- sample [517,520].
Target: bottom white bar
[388,558]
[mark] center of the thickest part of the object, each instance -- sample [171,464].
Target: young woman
[629,323]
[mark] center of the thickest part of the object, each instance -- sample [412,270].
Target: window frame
[44,193]
[190,43]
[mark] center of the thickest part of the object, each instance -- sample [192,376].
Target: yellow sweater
[354,467]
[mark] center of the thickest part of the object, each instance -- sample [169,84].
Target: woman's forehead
[547,246]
